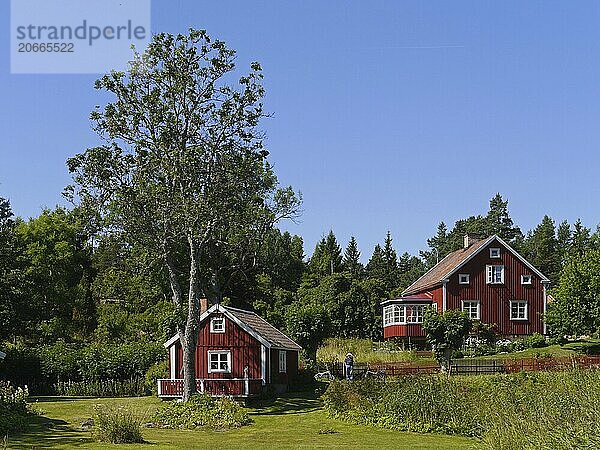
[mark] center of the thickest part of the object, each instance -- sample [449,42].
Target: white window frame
[219,361]
[526,279]
[464,278]
[398,314]
[282,361]
[525,310]
[494,252]
[470,311]
[491,270]
[212,324]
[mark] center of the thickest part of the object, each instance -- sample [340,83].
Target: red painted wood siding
[278,377]
[412,330]
[495,299]
[245,351]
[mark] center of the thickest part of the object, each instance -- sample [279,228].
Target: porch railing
[217,387]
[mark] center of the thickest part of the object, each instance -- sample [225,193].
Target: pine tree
[438,245]
[499,221]
[543,246]
[563,240]
[376,267]
[327,257]
[580,239]
[351,261]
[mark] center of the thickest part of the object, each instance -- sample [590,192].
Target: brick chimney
[203,305]
[470,239]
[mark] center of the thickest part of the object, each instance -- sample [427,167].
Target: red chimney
[203,305]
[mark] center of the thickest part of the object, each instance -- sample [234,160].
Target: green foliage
[14,411]
[308,324]
[202,411]
[575,310]
[134,387]
[154,373]
[536,340]
[528,410]
[446,332]
[364,351]
[117,425]
[327,257]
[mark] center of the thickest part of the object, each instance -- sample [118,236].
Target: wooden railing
[234,387]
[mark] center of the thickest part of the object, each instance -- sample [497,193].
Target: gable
[452,263]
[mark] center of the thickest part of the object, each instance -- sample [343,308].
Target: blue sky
[387,115]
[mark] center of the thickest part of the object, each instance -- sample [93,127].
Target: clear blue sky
[386,115]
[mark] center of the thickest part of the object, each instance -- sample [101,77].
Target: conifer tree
[351,261]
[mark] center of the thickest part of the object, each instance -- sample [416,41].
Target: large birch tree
[183,169]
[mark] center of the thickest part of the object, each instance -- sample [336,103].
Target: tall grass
[134,387]
[364,350]
[14,411]
[116,425]
[553,410]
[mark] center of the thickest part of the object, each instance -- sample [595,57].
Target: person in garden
[349,364]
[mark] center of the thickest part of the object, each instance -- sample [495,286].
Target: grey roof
[260,326]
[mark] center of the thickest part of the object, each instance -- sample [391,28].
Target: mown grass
[290,422]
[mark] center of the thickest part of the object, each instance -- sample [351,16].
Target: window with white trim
[471,307]
[494,253]
[415,313]
[526,279]
[217,325]
[219,361]
[495,274]
[463,278]
[282,361]
[403,314]
[518,310]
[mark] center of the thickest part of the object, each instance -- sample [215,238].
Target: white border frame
[462,308]
[519,319]
[284,360]
[494,249]
[464,275]
[212,329]
[213,352]
[529,283]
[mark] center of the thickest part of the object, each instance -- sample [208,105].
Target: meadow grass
[335,350]
[293,421]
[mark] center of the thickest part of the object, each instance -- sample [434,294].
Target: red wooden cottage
[486,278]
[238,354]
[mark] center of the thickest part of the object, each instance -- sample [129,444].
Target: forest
[60,284]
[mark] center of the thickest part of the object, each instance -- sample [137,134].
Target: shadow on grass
[293,403]
[44,432]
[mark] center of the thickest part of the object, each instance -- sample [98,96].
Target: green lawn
[290,422]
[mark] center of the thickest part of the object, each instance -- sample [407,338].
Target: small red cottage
[238,354]
[486,278]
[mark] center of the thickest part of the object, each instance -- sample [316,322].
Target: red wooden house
[238,354]
[486,278]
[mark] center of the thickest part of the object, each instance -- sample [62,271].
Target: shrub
[154,373]
[14,411]
[536,340]
[202,411]
[116,425]
[543,410]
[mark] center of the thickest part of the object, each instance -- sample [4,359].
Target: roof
[252,323]
[453,261]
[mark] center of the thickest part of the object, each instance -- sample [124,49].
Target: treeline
[58,282]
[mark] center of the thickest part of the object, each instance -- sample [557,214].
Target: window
[518,310]
[463,278]
[414,313]
[219,361]
[495,274]
[217,325]
[494,253]
[525,279]
[403,314]
[282,361]
[471,307]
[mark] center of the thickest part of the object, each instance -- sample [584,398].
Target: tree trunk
[189,339]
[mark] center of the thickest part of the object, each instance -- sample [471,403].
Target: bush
[202,411]
[544,410]
[154,373]
[536,340]
[14,411]
[116,425]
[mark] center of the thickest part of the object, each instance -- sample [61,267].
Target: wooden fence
[469,366]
